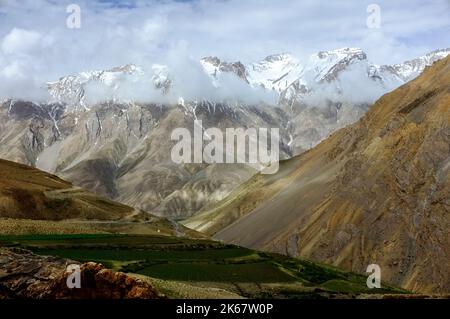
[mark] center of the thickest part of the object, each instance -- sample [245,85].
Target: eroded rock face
[26,275]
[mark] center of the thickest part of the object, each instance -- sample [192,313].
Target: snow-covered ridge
[410,69]
[213,66]
[326,65]
[71,89]
[283,73]
[275,72]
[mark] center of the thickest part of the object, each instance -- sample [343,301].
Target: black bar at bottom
[221,308]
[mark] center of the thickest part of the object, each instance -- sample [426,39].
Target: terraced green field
[202,262]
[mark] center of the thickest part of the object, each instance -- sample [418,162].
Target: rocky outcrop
[26,275]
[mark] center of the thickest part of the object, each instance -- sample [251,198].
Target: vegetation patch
[206,263]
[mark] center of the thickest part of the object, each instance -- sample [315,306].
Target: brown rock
[26,275]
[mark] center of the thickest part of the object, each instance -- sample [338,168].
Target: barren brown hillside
[32,201]
[374,192]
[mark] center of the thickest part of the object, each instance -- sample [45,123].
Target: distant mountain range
[289,77]
[96,134]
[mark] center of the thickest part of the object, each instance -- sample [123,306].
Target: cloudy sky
[36,45]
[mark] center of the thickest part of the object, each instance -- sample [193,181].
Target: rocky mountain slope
[120,148]
[374,192]
[123,152]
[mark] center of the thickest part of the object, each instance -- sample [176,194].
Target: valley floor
[193,268]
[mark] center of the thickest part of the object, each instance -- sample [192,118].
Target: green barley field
[198,261]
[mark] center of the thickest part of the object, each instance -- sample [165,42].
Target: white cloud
[20,41]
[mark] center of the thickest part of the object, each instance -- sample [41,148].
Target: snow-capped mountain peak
[275,72]
[71,89]
[342,54]
[161,78]
[281,61]
[326,68]
[326,65]
[410,69]
[213,66]
[283,73]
